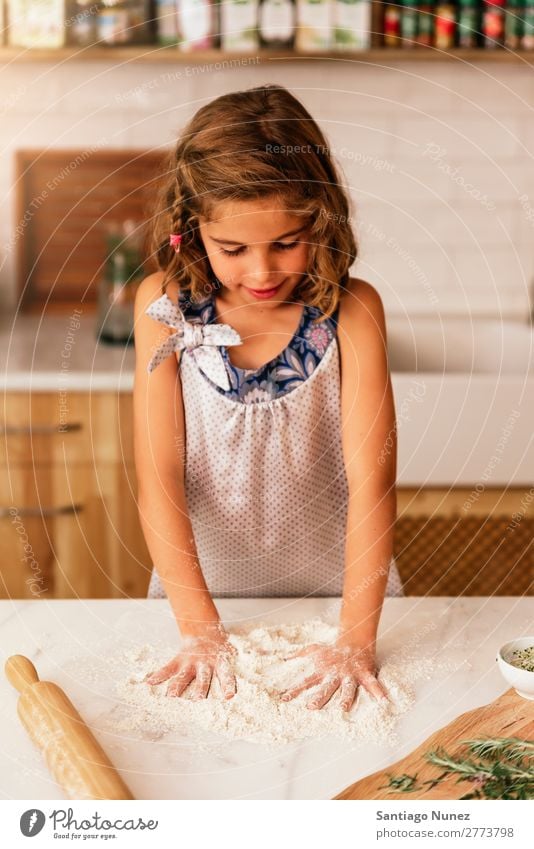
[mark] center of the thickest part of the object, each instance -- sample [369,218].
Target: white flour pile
[255,713]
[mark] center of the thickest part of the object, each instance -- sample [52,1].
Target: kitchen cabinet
[71,529]
[68,509]
[465,540]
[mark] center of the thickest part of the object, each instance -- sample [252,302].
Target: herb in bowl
[523,659]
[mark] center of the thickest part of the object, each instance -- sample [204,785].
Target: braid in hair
[183,219]
[175,267]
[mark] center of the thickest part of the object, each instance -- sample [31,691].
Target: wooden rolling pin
[75,759]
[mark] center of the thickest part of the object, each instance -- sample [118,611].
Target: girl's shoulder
[359,301]
[362,324]
[151,288]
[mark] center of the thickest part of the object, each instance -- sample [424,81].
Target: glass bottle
[425,23]
[527,38]
[409,20]
[116,293]
[468,23]
[513,24]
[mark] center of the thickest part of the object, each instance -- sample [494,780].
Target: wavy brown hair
[247,145]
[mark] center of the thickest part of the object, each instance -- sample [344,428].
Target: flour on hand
[255,713]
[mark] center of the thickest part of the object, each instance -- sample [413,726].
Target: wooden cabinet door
[71,532]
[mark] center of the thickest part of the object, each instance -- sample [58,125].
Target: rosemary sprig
[512,747]
[499,768]
[403,783]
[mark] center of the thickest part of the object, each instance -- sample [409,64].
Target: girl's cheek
[223,267]
[296,261]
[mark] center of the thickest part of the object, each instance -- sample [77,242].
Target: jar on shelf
[493,23]
[445,29]
[166,15]
[392,25]
[351,21]
[277,24]
[31,24]
[81,23]
[123,22]
[113,23]
[197,24]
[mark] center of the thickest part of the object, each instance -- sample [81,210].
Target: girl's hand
[200,658]
[342,667]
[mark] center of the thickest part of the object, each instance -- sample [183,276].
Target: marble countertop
[62,352]
[57,635]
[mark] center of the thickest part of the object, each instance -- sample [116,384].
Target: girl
[263,403]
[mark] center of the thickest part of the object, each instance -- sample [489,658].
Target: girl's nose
[261,274]
[260,280]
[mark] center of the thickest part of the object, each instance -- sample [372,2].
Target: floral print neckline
[249,372]
[283,373]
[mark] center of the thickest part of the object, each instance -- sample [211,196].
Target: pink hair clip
[174,241]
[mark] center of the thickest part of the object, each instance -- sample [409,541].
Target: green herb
[523,659]
[403,783]
[500,768]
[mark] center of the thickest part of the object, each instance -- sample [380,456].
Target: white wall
[437,157]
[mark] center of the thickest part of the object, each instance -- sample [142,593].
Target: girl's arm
[159,440]
[370,450]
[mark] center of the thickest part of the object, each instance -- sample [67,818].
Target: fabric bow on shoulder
[202,341]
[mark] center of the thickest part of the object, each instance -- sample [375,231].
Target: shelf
[157,53]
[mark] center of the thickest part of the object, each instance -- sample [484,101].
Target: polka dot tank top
[265,482]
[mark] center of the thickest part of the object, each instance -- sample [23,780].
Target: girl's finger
[325,693]
[373,686]
[310,681]
[226,679]
[347,693]
[204,674]
[182,680]
[164,673]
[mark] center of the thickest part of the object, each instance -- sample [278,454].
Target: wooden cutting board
[507,716]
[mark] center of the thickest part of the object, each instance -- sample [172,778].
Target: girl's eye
[233,253]
[280,246]
[286,246]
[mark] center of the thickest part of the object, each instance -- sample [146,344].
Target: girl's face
[257,250]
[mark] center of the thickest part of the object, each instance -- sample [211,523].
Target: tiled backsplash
[437,156]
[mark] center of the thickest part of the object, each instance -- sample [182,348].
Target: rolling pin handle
[20,672]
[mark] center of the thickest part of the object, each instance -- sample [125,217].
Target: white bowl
[520,679]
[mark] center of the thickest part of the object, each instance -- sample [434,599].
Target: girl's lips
[264,293]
